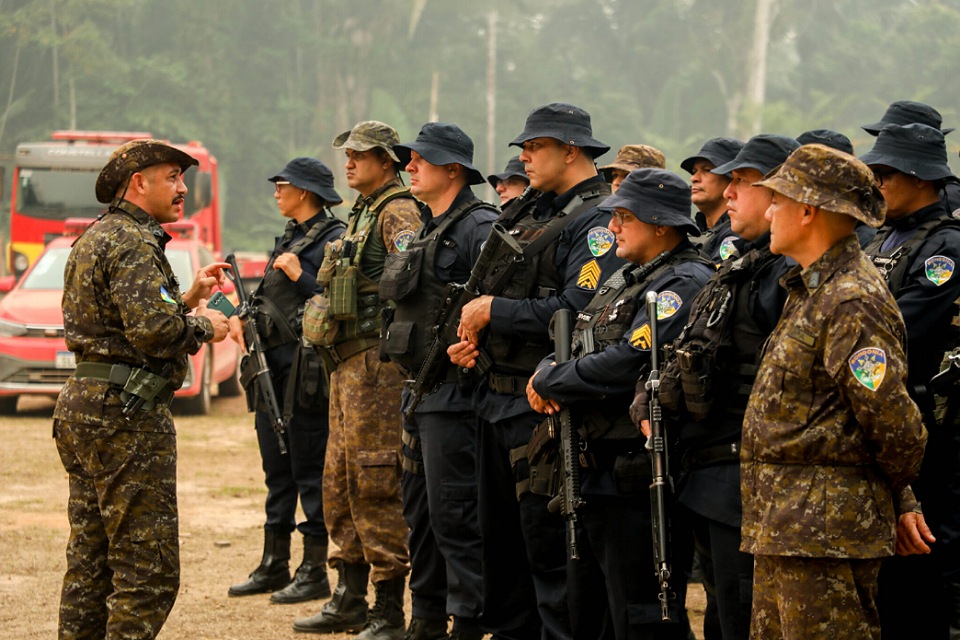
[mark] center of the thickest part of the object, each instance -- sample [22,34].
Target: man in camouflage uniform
[361,481]
[630,157]
[125,320]
[511,182]
[917,251]
[831,435]
[706,193]
[613,592]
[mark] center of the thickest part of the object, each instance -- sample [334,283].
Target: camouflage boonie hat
[369,135]
[635,156]
[824,177]
[134,156]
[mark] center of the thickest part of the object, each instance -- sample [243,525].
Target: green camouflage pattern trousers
[361,476]
[797,598]
[123,555]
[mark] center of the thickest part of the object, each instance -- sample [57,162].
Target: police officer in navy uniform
[439,440]
[568,253]
[303,192]
[613,591]
[511,182]
[917,251]
[707,189]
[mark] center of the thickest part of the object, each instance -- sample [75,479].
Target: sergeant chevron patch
[589,275]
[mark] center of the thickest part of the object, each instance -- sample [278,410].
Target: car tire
[231,387]
[8,405]
[199,405]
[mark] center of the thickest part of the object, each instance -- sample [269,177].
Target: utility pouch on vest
[329,265]
[399,340]
[248,379]
[319,326]
[696,369]
[343,294]
[401,274]
[632,473]
[543,443]
[313,389]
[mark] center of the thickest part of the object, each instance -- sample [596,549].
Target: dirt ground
[221,497]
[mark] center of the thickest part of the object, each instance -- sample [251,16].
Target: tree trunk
[756,86]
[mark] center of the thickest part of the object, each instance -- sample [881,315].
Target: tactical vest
[536,276]
[354,297]
[715,357]
[410,281]
[893,265]
[278,301]
[607,318]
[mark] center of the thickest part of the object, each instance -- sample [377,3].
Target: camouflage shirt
[122,305]
[830,433]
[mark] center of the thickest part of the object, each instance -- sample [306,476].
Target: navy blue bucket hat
[915,149]
[514,170]
[563,122]
[764,152]
[310,175]
[655,196]
[442,143]
[826,137]
[907,112]
[717,151]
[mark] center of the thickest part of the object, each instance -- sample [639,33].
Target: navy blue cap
[514,170]
[563,122]
[310,175]
[717,151]
[907,112]
[655,196]
[764,152]
[442,143]
[828,138]
[914,149]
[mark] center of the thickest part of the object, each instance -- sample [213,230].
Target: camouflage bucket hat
[635,156]
[824,177]
[135,156]
[369,135]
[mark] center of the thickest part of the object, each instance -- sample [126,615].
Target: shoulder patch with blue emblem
[599,239]
[939,269]
[668,303]
[165,296]
[402,239]
[728,248]
[869,366]
[589,275]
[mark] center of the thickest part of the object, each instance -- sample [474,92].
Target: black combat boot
[310,581]
[385,620]
[274,570]
[426,629]
[347,609]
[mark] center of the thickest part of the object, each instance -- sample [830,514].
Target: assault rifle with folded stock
[456,296]
[255,349]
[660,488]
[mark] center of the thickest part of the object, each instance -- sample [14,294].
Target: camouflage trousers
[361,478]
[123,555]
[800,598]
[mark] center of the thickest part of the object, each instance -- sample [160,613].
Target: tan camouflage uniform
[121,305]
[361,479]
[830,437]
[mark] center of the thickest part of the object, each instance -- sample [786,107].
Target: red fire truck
[54,180]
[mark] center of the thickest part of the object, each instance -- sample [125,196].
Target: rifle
[660,488]
[569,500]
[255,348]
[456,296]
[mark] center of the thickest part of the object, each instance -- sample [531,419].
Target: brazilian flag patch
[589,275]
[165,296]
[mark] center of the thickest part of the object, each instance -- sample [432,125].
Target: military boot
[426,629]
[274,570]
[385,620]
[347,609]
[310,581]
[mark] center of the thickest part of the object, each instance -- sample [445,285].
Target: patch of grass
[237,492]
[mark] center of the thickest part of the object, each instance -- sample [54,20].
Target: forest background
[262,82]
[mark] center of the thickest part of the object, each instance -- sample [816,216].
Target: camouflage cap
[825,177]
[367,135]
[635,156]
[134,156]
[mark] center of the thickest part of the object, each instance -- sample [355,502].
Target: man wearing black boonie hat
[439,439]
[126,322]
[303,191]
[611,586]
[511,182]
[917,251]
[568,251]
[706,193]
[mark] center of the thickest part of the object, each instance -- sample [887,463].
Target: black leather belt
[508,385]
[709,456]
